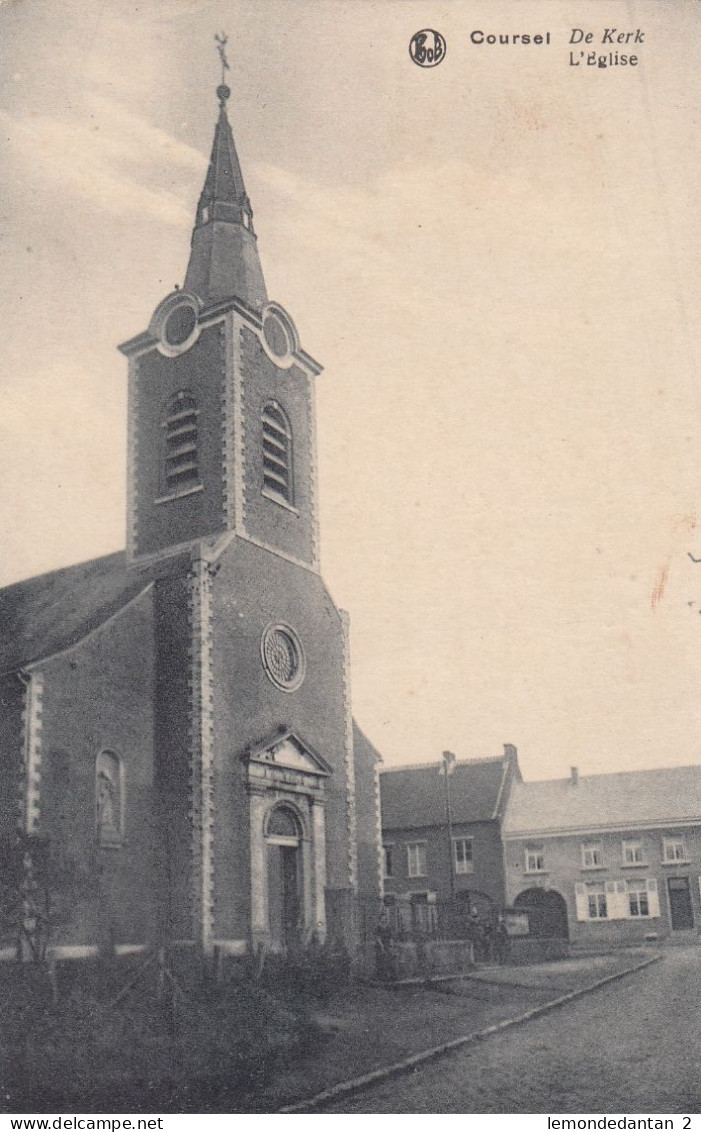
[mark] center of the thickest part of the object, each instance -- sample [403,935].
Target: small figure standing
[477,935]
[501,941]
[384,953]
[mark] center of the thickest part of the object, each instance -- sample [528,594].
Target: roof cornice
[457,822]
[438,765]
[145,341]
[603,827]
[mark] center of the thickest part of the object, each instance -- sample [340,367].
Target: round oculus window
[174,323]
[283,658]
[179,325]
[276,336]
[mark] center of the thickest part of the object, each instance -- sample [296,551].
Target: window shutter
[580,899]
[404,916]
[181,442]
[616,903]
[653,897]
[277,451]
[622,900]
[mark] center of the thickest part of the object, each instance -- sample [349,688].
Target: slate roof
[224,180]
[52,612]
[362,745]
[641,797]
[414,796]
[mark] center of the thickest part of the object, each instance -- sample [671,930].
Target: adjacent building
[611,858]
[441,837]
[176,719]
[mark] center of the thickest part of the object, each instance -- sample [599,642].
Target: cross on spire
[224,259]
[223,91]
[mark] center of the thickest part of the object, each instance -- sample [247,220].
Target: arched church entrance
[547,912]
[283,838]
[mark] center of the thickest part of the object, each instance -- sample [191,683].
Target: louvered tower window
[277,453]
[180,426]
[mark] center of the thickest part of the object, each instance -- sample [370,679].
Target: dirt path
[632,1047]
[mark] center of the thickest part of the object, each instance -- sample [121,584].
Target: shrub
[235,1035]
[315,971]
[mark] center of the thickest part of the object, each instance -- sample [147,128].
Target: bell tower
[221,400]
[224,259]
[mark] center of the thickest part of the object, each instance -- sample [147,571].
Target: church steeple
[224,259]
[221,413]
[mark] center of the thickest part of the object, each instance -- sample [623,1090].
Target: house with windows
[441,837]
[176,721]
[608,858]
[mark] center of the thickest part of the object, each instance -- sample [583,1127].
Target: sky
[495,261]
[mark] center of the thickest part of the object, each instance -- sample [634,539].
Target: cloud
[136,139]
[110,157]
[394,236]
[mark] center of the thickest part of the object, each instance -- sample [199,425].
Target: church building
[176,719]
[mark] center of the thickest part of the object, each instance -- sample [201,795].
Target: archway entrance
[283,839]
[547,913]
[285,781]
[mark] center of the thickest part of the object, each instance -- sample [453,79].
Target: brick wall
[366,759]
[252,589]
[564,870]
[487,875]
[267,521]
[201,371]
[99,696]
[172,754]
[11,696]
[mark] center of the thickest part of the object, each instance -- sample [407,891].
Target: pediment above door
[287,752]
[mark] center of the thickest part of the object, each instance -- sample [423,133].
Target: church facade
[177,718]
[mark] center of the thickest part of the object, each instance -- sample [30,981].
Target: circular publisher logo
[427,48]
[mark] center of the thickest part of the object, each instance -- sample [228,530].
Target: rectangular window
[390,913]
[673,850]
[535,859]
[638,903]
[596,902]
[592,855]
[462,854]
[416,859]
[387,853]
[633,853]
[424,913]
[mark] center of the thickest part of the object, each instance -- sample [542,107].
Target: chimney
[510,751]
[574,775]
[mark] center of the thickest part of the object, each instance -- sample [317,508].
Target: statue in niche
[107,801]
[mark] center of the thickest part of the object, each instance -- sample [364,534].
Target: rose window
[283,657]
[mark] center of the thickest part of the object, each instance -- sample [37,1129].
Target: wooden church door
[284,878]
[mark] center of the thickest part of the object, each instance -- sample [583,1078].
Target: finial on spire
[224,259]
[223,91]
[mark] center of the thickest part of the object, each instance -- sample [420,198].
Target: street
[631,1047]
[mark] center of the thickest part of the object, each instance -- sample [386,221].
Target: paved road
[632,1047]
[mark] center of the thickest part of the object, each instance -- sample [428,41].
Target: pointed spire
[224,259]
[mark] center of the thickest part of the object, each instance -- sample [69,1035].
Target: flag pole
[448,761]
